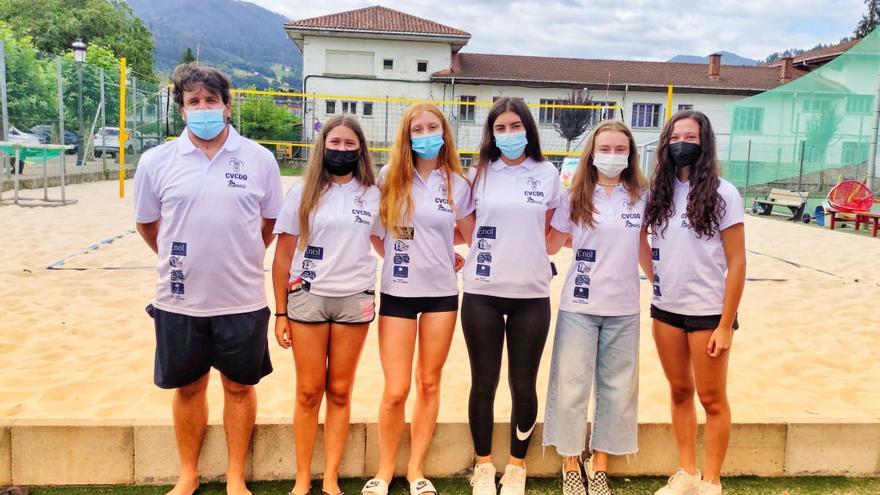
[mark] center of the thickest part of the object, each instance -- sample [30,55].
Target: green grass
[542,486]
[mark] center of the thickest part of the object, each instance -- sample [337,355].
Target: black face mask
[683,154]
[340,163]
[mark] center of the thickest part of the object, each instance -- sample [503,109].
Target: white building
[380,52]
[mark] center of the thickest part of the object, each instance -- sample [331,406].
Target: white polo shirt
[338,260]
[210,242]
[603,278]
[420,258]
[508,255]
[690,272]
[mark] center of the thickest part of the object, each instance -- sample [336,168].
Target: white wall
[381,127]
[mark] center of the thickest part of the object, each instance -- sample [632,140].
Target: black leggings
[527,325]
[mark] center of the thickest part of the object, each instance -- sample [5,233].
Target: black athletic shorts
[689,323]
[410,307]
[188,346]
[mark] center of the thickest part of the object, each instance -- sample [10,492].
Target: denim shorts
[588,348]
[305,307]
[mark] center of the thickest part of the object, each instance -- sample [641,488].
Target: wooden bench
[794,201]
[869,218]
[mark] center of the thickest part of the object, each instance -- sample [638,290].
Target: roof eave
[596,85]
[296,34]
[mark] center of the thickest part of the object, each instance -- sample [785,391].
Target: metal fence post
[61,127]
[801,172]
[748,167]
[103,128]
[4,133]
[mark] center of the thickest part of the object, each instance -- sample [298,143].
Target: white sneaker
[707,488]
[483,479]
[682,483]
[514,481]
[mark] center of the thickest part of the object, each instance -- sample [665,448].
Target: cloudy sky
[624,29]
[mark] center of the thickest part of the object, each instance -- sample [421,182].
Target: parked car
[18,136]
[44,132]
[109,138]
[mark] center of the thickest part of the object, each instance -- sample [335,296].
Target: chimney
[785,70]
[715,67]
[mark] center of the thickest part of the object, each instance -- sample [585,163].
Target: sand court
[77,344]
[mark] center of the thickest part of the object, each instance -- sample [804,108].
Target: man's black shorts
[689,323]
[188,346]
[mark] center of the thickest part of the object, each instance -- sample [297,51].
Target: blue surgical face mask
[511,144]
[206,124]
[427,146]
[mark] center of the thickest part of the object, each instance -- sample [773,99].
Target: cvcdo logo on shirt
[533,191]
[236,166]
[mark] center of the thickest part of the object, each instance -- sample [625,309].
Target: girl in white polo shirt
[597,328]
[324,276]
[507,274]
[424,193]
[698,250]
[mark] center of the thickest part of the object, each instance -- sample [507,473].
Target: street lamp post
[79,56]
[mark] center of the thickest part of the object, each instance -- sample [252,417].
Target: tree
[572,123]
[188,56]
[54,25]
[870,19]
[264,119]
[32,99]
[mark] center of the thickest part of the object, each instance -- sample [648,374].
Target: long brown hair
[489,151]
[317,179]
[583,185]
[396,206]
[705,207]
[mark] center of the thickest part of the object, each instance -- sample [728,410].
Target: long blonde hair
[583,185]
[317,179]
[396,206]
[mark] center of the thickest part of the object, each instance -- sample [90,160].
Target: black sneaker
[572,482]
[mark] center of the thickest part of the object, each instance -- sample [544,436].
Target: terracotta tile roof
[378,19]
[575,71]
[819,54]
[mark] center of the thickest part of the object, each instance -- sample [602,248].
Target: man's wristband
[280,314]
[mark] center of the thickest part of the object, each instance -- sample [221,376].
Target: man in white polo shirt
[206,203]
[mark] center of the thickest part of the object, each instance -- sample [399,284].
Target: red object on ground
[851,196]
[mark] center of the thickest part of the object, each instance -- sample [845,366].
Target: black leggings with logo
[485,328]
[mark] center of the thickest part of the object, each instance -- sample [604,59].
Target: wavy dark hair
[489,151]
[705,207]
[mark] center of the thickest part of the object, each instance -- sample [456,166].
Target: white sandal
[422,486]
[375,486]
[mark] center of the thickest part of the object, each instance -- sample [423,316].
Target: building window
[685,108]
[368,109]
[816,104]
[547,115]
[748,119]
[350,107]
[859,103]
[331,106]
[388,64]
[466,112]
[345,62]
[422,66]
[646,115]
[854,152]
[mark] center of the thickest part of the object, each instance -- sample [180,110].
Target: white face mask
[610,165]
